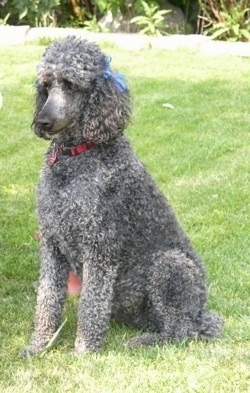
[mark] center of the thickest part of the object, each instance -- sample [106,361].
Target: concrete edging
[18,35]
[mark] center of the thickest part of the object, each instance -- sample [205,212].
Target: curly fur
[102,216]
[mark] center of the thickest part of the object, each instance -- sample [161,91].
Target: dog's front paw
[78,352]
[82,347]
[29,351]
[35,348]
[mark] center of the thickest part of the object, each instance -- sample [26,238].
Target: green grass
[198,153]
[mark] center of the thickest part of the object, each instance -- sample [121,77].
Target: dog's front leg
[51,296]
[94,307]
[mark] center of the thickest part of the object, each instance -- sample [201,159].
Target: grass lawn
[198,153]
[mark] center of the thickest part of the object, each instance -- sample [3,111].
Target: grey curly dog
[102,216]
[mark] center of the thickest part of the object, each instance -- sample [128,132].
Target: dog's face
[78,94]
[60,111]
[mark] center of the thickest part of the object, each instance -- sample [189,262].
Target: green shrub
[226,19]
[152,22]
[75,13]
[94,25]
[3,21]
[32,12]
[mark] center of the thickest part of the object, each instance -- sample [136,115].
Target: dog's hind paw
[146,339]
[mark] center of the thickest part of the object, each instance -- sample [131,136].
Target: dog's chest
[67,207]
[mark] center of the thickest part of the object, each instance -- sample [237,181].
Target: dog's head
[77,92]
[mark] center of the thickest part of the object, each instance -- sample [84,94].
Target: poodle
[102,216]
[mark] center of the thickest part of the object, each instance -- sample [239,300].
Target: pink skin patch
[74,284]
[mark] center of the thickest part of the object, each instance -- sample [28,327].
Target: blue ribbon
[119,79]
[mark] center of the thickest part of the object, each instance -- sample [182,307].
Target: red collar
[68,151]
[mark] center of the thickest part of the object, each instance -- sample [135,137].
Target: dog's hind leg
[177,295]
[52,291]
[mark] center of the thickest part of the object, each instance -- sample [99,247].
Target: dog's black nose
[45,121]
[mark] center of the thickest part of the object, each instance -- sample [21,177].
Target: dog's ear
[109,110]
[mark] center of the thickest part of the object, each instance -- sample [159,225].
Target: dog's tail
[211,326]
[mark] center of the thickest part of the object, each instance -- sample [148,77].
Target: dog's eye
[45,85]
[70,86]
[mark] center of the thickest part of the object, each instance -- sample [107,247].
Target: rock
[174,19]
[117,24]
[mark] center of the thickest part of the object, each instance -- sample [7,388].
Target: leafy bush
[152,22]
[114,6]
[94,26]
[32,12]
[75,13]
[3,21]
[226,19]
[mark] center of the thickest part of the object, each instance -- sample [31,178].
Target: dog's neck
[72,151]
